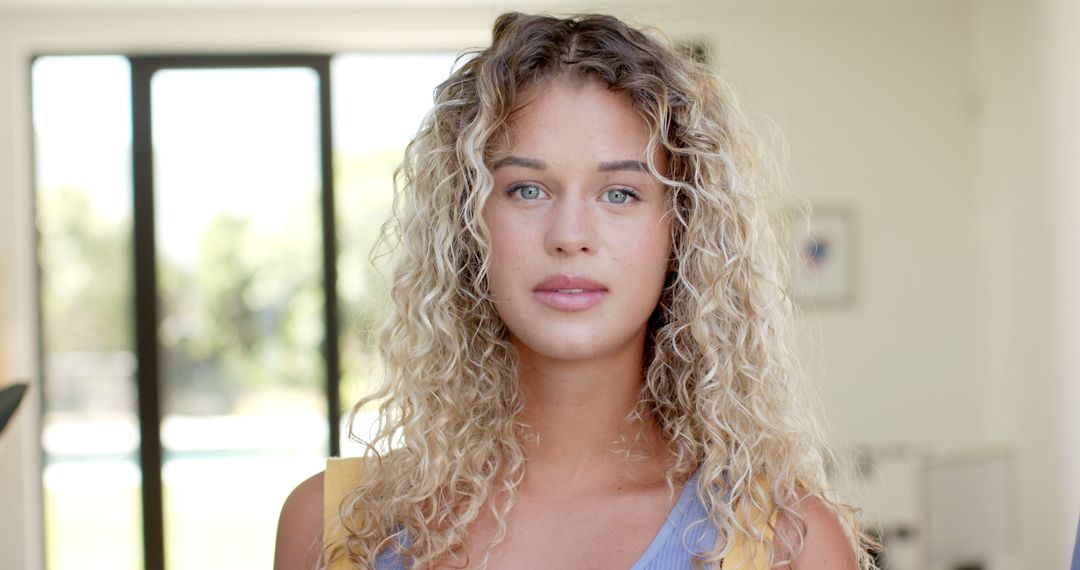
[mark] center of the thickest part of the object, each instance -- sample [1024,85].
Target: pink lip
[553,292]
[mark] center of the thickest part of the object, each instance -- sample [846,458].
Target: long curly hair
[719,380]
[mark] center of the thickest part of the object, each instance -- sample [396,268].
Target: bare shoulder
[826,545]
[300,527]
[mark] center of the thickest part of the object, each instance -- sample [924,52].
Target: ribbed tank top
[686,531]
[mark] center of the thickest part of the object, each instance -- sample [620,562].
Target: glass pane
[90,433]
[236,175]
[371,129]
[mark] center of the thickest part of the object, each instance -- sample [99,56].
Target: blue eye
[526,191]
[620,195]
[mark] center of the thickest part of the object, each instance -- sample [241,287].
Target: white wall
[1027,176]
[20,481]
[875,104]
[925,119]
[1061,48]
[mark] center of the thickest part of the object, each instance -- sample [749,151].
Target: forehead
[561,111]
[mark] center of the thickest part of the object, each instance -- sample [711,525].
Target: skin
[573,200]
[581,370]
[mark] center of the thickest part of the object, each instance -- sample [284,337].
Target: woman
[585,361]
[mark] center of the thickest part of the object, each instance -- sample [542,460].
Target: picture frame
[822,262]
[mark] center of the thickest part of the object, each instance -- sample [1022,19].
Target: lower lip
[570,301]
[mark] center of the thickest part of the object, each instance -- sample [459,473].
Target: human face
[580,239]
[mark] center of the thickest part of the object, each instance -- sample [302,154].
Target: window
[227,224]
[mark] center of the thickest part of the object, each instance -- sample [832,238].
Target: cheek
[508,255]
[650,250]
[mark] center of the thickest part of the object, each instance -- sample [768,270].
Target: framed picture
[823,257]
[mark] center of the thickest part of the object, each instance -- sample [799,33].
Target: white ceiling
[277,4]
[33,5]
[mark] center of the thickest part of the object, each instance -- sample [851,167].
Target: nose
[571,228]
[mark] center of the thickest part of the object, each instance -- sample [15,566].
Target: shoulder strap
[742,556]
[753,556]
[342,475]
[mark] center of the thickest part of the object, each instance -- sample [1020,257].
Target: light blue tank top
[686,532]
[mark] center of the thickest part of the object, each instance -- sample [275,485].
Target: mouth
[569,293]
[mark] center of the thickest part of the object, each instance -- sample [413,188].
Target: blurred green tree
[85,285]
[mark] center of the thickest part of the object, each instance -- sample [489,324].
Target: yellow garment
[343,475]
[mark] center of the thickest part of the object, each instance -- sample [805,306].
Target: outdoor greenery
[86,290]
[245,315]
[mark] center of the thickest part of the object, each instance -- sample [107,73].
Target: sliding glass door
[232,199]
[188,241]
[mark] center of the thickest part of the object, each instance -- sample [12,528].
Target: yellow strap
[342,476]
[755,557]
[740,556]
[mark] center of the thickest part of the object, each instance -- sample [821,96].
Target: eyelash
[520,186]
[628,191]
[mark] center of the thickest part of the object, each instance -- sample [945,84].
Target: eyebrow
[520,161]
[612,166]
[632,165]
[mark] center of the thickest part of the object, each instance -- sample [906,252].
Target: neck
[577,413]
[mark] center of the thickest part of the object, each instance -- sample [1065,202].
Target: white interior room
[944,135]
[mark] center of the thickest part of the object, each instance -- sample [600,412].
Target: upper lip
[564,281]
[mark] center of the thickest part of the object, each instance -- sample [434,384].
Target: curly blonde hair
[719,379]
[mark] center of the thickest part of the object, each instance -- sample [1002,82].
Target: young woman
[586,363]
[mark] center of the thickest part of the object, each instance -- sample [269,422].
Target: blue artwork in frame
[822,250]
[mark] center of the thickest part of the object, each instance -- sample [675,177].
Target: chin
[567,352]
[580,345]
